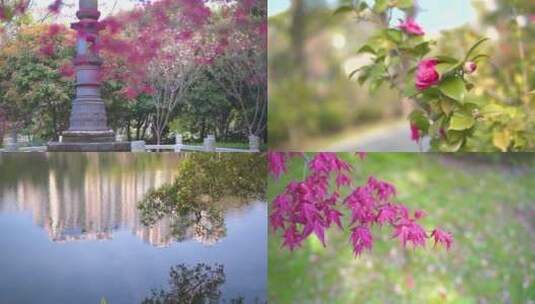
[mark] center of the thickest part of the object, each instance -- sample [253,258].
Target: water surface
[70,232]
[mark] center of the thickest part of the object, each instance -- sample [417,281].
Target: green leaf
[410,89]
[377,71]
[501,139]
[447,106]
[380,6]
[434,129]
[393,35]
[366,49]
[479,101]
[404,4]
[421,49]
[454,136]
[519,142]
[431,93]
[375,84]
[353,73]
[480,57]
[474,47]
[454,88]
[461,121]
[343,9]
[445,146]
[492,110]
[447,59]
[418,118]
[445,68]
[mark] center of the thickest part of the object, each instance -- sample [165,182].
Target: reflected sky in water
[70,232]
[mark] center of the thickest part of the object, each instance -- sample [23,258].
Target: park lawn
[489,208]
[238,145]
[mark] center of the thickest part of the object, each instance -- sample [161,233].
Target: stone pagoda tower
[88,129]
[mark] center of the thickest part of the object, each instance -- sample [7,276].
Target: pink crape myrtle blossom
[426,74]
[410,27]
[153,25]
[314,205]
[21,7]
[67,70]
[55,6]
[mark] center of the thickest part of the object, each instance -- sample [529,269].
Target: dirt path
[394,137]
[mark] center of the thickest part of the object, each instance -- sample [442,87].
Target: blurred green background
[486,200]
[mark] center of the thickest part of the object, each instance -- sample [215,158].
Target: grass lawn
[237,145]
[488,206]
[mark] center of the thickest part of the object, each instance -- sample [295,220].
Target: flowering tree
[33,93]
[448,108]
[170,81]
[242,68]
[159,48]
[315,204]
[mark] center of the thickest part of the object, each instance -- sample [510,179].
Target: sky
[436,15]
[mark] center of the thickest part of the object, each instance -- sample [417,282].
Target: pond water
[70,232]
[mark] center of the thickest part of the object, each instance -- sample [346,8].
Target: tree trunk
[158,137]
[128,135]
[54,124]
[145,126]
[297,35]
[138,129]
[203,128]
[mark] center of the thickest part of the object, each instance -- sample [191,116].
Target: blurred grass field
[486,201]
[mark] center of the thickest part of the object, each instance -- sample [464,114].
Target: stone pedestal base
[89,147]
[88,136]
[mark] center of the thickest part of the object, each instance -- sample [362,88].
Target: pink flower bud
[470,67]
[410,27]
[415,133]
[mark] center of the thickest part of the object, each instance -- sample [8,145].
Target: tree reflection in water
[206,186]
[196,285]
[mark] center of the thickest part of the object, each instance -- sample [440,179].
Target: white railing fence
[209,145]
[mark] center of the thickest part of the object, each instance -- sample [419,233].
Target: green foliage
[208,109]
[132,116]
[455,113]
[33,93]
[204,179]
